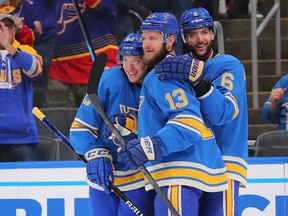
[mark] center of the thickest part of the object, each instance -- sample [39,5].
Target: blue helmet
[164,22]
[195,18]
[131,45]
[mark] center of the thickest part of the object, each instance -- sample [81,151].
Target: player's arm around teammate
[220,88]
[172,133]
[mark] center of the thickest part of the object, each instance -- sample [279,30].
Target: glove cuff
[98,153]
[202,87]
[151,147]
[196,71]
[158,147]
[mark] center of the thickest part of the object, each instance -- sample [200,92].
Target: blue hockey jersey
[229,116]
[279,116]
[116,95]
[170,110]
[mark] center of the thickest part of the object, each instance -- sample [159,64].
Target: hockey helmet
[131,45]
[195,18]
[164,22]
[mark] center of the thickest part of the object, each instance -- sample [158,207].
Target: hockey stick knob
[36,111]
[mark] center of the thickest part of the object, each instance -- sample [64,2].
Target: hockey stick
[83,29]
[93,84]
[39,114]
[62,137]
[102,61]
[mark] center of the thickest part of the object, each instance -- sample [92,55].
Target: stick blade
[97,69]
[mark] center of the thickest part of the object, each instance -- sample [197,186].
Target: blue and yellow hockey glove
[180,67]
[138,151]
[125,124]
[99,167]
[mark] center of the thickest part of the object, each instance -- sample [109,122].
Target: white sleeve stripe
[85,124]
[33,68]
[207,94]
[233,102]
[83,130]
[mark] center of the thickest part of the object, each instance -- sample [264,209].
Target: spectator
[275,109]
[69,71]
[24,34]
[45,45]
[20,64]
[118,92]
[39,31]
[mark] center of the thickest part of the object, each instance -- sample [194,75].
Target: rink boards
[59,188]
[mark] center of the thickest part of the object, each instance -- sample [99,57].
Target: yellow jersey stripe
[236,168]
[190,173]
[174,196]
[121,180]
[76,126]
[229,198]
[194,125]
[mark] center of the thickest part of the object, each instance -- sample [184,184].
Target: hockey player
[174,143]
[221,91]
[118,92]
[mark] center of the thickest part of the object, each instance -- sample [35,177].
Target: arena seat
[272,144]
[61,118]
[48,149]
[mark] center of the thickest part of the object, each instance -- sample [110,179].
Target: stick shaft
[63,138]
[84,29]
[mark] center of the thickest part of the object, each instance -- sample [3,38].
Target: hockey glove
[138,151]
[125,124]
[99,167]
[180,67]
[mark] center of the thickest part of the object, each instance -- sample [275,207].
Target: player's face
[153,46]
[200,42]
[135,68]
